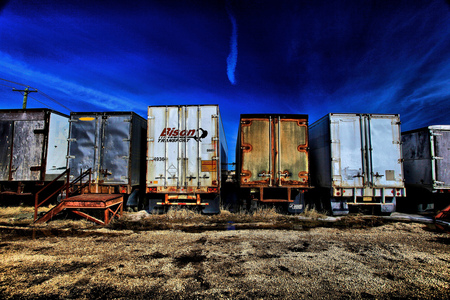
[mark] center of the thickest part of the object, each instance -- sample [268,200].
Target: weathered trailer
[186,155]
[33,146]
[272,164]
[112,145]
[356,159]
[426,153]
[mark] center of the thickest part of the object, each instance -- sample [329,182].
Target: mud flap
[298,206]
[339,207]
[153,208]
[389,208]
[213,206]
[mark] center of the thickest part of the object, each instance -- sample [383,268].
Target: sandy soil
[392,261]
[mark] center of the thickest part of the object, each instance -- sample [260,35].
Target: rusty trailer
[272,164]
[33,146]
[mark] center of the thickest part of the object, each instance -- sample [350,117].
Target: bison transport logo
[171,135]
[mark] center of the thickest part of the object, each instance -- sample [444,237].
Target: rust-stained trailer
[33,146]
[112,145]
[272,159]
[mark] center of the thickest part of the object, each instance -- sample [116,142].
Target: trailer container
[112,145]
[272,159]
[186,155]
[426,153]
[33,146]
[356,160]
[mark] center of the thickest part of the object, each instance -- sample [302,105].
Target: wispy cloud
[232,57]
[47,82]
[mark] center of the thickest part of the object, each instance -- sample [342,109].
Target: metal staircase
[75,200]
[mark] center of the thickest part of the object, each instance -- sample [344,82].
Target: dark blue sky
[248,56]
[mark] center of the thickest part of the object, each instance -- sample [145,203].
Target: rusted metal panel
[272,151]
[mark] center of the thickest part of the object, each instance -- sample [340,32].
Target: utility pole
[26,91]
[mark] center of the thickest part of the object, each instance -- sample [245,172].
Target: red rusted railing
[68,186]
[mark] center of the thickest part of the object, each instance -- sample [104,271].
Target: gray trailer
[272,164]
[186,156]
[426,153]
[33,146]
[356,160]
[112,145]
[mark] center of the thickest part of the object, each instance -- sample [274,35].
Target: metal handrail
[38,204]
[80,179]
[66,186]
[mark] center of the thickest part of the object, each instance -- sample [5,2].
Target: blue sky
[248,56]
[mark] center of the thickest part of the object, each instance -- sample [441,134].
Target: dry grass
[20,215]
[400,261]
[180,213]
[266,213]
[313,213]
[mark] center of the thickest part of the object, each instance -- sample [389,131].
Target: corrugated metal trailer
[426,153]
[186,154]
[272,159]
[33,146]
[112,145]
[356,159]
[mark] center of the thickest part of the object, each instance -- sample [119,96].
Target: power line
[51,99]
[26,91]
[18,83]
[10,86]
[41,102]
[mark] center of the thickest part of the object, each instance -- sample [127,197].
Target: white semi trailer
[186,154]
[356,160]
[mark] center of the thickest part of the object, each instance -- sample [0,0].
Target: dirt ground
[198,258]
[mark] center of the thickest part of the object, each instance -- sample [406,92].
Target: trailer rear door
[256,147]
[28,146]
[115,154]
[291,163]
[347,153]
[83,144]
[442,157]
[6,130]
[385,150]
